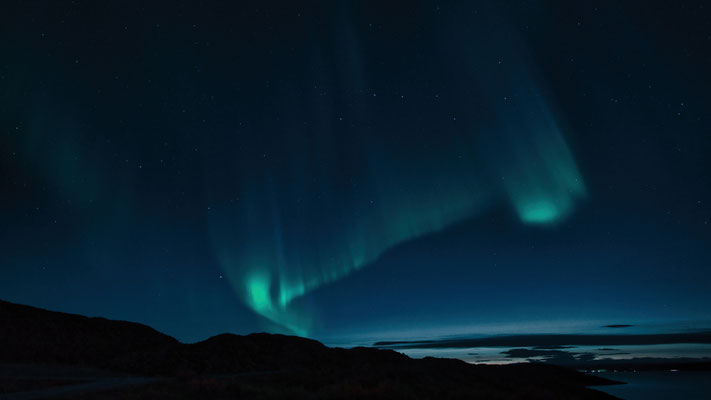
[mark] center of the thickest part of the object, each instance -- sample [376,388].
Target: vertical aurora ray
[538,171]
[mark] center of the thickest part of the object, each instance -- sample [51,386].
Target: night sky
[358,170]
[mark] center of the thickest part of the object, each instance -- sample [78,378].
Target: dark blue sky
[355,169]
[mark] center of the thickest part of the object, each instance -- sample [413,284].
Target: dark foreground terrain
[45,354]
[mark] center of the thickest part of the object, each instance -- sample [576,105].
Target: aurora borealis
[356,169]
[393,192]
[353,198]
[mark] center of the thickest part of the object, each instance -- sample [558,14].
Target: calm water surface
[654,385]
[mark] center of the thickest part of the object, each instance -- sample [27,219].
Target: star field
[355,169]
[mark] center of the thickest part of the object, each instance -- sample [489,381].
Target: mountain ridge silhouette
[264,365]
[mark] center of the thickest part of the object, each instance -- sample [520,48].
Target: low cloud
[617,326]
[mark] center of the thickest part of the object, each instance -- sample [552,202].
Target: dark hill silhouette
[29,334]
[263,365]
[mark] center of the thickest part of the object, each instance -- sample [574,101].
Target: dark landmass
[551,356]
[646,364]
[131,361]
[561,350]
[590,361]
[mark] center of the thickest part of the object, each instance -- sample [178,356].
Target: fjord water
[653,385]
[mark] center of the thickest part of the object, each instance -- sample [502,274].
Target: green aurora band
[289,234]
[335,194]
